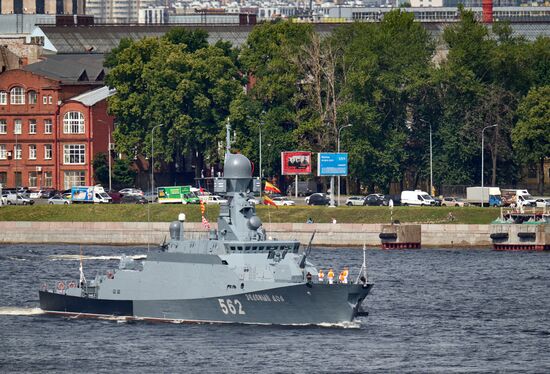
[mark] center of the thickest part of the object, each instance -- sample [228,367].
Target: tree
[101,169]
[124,174]
[189,92]
[531,136]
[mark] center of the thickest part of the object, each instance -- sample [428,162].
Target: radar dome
[254,223]
[237,166]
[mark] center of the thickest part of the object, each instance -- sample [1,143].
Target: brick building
[50,129]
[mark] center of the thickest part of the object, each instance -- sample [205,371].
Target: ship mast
[228,137]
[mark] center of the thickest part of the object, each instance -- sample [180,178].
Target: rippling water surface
[430,311]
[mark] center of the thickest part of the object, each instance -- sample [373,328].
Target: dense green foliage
[387,79]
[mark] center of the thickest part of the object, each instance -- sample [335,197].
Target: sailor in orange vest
[341,277]
[330,276]
[346,273]
[321,276]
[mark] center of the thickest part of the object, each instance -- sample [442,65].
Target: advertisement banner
[332,164]
[294,163]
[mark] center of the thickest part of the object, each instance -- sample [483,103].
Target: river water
[430,311]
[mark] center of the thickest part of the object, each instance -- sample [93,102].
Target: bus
[177,195]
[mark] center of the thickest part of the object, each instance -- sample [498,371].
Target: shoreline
[143,233]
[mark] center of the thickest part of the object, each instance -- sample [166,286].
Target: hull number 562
[234,307]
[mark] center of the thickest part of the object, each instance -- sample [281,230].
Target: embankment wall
[139,233]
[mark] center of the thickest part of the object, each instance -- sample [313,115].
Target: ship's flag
[203,208]
[268,201]
[205,223]
[271,188]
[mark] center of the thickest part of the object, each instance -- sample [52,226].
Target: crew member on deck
[330,276]
[321,276]
[341,277]
[346,274]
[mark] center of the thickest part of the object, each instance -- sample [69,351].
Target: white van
[416,197]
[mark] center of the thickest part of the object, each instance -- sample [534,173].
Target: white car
[59,200]
[543,202]
[283,201]
[214,199]
[36,194]
[355,200]
[254,201]
[131,192]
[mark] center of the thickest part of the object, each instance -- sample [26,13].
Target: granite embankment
[140,233]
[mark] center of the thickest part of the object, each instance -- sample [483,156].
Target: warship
[236,275]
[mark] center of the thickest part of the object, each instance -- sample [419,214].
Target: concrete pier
[141,233]
[400,236]
[521,237]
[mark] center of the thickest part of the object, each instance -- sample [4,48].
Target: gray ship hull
[297,304]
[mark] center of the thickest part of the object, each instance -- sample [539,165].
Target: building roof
[91,97]
[71,68]
[103,38]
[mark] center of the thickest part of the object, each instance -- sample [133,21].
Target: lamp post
[108,151]
[152,157]
[431,157]
[260,171]
[482,153]
[338,148]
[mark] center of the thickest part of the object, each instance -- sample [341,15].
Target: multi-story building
[42,6]
[116,11]
[48,135]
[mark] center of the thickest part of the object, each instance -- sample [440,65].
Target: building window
[32,151]
[32,97]
[73,123]
[3,98]
[74,178]
[50,100]
[18,125]
[33,177]
[48,152]
[32,126]
[18,178]
[3,126]
[74,154]
[47,182]
[3,178]
[17,151]
[44,99]
[17,96]
[48,128]
[3,152]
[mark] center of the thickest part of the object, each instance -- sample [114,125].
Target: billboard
[293,163]
[332,164]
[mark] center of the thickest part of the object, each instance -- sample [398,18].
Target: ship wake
[19,311]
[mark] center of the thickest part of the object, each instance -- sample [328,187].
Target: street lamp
[108,150]
[260,171]
[152,158]
[482,148]
[338,147]
[431,157]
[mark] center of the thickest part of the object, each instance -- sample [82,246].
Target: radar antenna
[228,137]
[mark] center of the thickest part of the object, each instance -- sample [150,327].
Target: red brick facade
[48,140]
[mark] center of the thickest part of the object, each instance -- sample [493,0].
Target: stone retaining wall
[139,233]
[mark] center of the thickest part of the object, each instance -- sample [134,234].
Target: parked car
[131,191]
[115,196]
[543,202]
[254,201]
[18,199]
[48,192]
[437,201]
[283,201]
[214,199]
[36,194]
[453,201]
[355,200]
[58,200]
[132,199]
[375,199]
[151,196]
[317,199]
